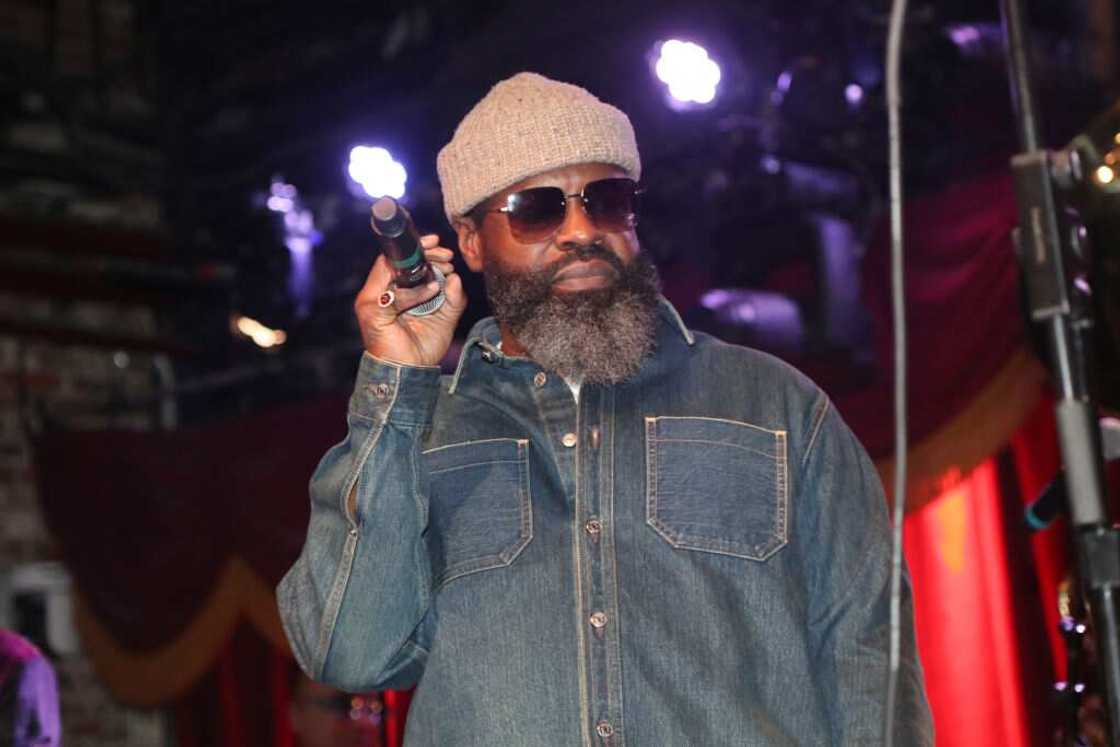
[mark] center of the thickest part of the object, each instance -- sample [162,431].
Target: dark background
[141,139]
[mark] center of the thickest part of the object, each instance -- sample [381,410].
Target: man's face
[580,301]
[493,243]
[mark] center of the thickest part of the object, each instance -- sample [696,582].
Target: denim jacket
[697,556]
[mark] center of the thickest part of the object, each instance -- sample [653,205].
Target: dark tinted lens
[534,214]
[612,203]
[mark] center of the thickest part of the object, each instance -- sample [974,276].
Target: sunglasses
[535,214]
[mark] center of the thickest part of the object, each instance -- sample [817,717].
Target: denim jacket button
[593,527]
[540,379]
[381,391]
[604,729]
[569,440]
[598,619]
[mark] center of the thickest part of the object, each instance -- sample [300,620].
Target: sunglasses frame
[509,210]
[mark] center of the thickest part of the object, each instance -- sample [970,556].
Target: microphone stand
[1048,243]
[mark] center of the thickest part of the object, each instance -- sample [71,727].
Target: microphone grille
[385,209]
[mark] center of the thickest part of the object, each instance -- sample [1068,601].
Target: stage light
[854,94]
[690,75]
[376,171]
[770,164]
[1104,174]
[263,336]
[281,196]
[964,35]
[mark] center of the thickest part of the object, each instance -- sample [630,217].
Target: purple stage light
[854,94]
[300,237]
[964,35]
[690,75]
[376,171]
[770,320]
[281,197]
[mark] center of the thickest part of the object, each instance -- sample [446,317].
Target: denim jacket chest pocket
[717,486]
[480,514]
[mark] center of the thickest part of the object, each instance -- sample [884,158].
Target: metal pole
[1042,245]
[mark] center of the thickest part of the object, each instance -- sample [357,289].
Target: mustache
[586,253]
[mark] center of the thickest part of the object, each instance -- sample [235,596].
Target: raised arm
[352,602]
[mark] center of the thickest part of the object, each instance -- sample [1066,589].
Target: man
[28,694]
[603,529]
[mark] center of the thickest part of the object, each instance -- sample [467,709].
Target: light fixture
[376,171]
[689,74]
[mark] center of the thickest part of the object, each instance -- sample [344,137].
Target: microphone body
[400,242]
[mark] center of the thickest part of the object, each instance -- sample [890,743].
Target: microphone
[400,241]
[1053,499]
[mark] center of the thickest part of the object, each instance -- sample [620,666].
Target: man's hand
[390,334]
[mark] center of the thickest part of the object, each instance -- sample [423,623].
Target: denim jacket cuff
[384,390]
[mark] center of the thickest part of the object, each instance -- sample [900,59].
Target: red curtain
[986,597]
[243,700]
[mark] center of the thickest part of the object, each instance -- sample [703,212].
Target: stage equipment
[689,74]
[376,172]
[893,66]
[1050,248]
[300,237]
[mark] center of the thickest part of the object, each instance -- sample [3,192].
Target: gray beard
[600,336]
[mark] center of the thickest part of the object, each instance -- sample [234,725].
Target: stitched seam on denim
[394,364]
[783,494]
[620,720]
[816,429]
[469,443]
[459,366]
[307,665]
[411,643]
[476,565]
[421,503]
[361,416]
[721,443]
[367,448]
[651,478]
[441,470]
[527,498]
[349,548]
[717,420]
[334,600]
[688,541]
[508,555]
[582,672]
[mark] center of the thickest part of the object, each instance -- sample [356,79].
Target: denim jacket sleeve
[849,577]
[354,598]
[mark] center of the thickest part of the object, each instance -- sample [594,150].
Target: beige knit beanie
[526,125]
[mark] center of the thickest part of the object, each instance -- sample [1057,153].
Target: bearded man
[604,528]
